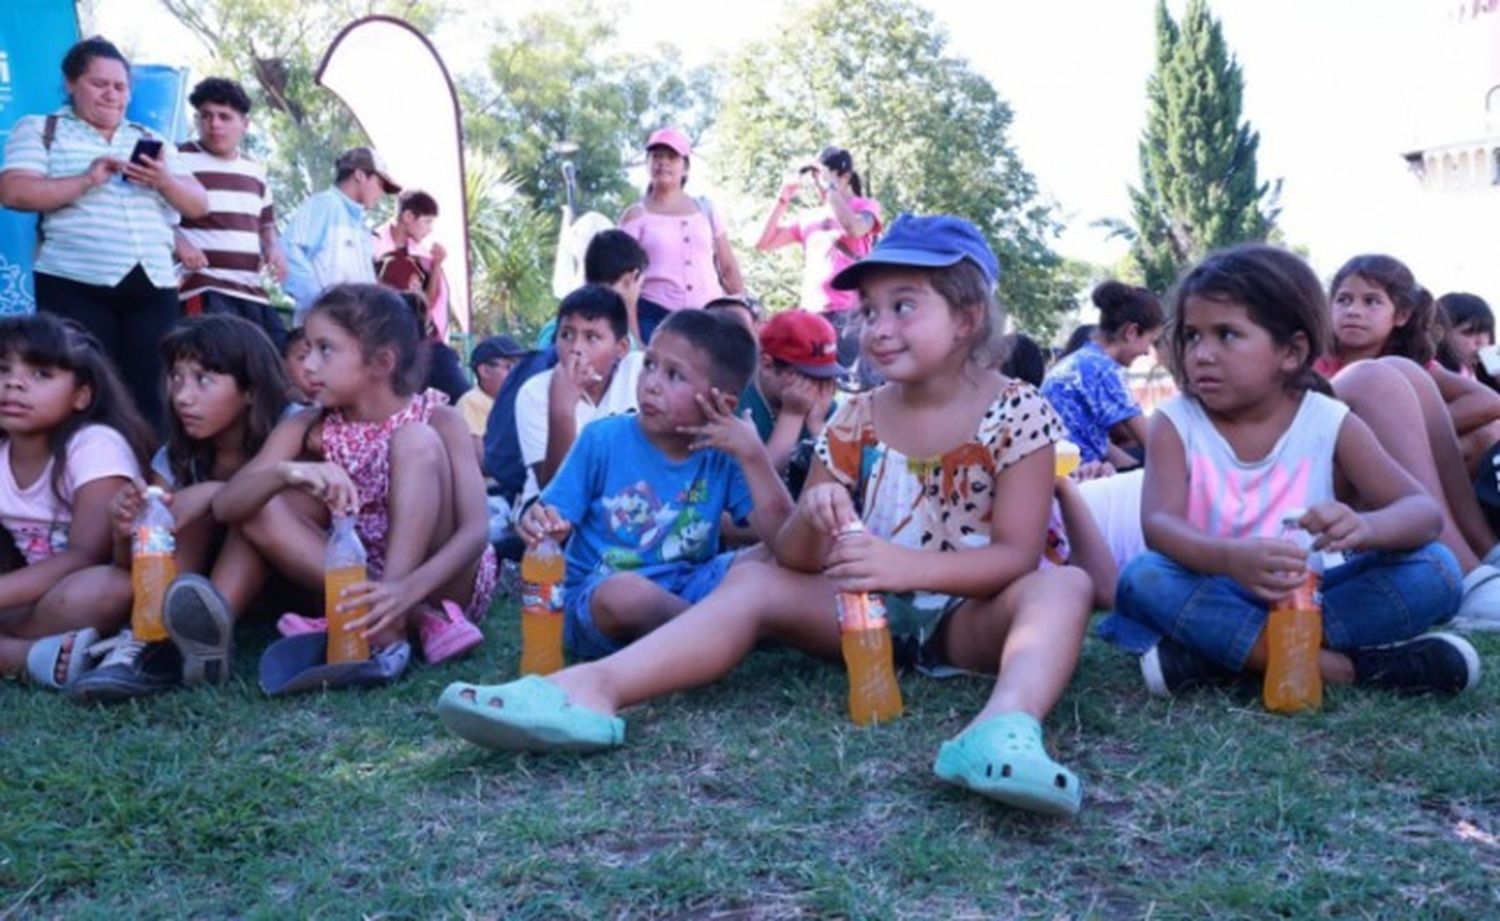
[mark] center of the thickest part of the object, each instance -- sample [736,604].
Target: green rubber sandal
[531,714]
[1003,758]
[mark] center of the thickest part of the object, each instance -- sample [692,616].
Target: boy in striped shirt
[223,252]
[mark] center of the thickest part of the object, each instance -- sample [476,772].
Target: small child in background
[643,495]
[1088,387]
[70,439]
[951,467]
[791,395]
[1468,326]
[292,366]
[225,393]
[398,460]
[595,378]
[1024,360]
[1247,443]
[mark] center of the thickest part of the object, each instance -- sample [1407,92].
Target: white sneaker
[1480,608]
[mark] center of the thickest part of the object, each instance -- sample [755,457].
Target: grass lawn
[753,799]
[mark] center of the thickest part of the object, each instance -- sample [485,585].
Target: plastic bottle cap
[1292,516]
[155,492]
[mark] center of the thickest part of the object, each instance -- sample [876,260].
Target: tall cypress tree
[1198,186]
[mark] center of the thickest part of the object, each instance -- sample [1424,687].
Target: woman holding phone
[107,192]
[835,232]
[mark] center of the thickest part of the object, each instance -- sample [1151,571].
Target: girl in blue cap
[926,462]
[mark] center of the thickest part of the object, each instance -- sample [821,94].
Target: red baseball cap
[803,340]
[672,139]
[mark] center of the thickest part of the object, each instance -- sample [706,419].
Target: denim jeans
[1372,599]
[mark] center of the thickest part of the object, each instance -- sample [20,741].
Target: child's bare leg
[239,573]
[756,601]
[1476,444]
[1381,396]
[1448,456]
[291,533]
[97,597]
[626,606]
[1033,630]
[422,513]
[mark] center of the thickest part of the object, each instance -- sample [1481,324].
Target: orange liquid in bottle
[1294,634]
[874,695]
[150,574]
[344,645]
[542,571]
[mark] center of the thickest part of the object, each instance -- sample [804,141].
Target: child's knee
[617,605]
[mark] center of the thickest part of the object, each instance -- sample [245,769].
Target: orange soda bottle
[344,564]
[1069,457]
[153,566]
[542,570]
[1294,636]
[874,695]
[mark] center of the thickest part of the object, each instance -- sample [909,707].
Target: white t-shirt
[531,412]
[33,514]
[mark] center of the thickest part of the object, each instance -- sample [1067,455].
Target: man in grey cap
[326,240]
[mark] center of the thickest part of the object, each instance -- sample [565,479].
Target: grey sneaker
[130,668]
[201,625]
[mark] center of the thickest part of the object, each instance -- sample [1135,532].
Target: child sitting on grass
[1248,443]
[950,466]
[595,377]
[647,491]
[791,396]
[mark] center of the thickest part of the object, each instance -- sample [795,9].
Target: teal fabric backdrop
[34,36]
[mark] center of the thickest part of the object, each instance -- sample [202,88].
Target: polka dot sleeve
[1019,422]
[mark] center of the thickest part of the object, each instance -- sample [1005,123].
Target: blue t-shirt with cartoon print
[1088,391]
[631,506]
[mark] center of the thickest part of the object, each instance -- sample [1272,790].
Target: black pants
[265,316]
[129,320]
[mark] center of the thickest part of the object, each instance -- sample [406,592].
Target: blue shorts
[691,582]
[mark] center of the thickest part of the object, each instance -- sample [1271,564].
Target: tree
[555,79]
[511,241]
[1199,189]
[928,133]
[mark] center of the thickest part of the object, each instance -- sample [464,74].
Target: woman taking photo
[835,234]
[686,242]
[108,192]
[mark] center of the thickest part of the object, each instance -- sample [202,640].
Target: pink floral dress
[363,449]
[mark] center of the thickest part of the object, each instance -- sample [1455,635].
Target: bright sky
[1338,89]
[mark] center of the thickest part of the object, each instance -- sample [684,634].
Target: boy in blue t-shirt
[642,496]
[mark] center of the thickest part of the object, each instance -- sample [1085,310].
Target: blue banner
[34,36]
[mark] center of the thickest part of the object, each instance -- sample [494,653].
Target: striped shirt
[239,208]
[111,228]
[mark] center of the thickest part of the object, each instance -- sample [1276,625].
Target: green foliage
[927,132]
[511,241]
[753,798]
[1199,189]
[555,78]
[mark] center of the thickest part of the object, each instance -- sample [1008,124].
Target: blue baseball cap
[934,242]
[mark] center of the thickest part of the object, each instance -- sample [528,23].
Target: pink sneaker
[290,624]
[446,637]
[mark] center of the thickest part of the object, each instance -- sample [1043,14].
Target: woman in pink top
[834,236]
[686,244]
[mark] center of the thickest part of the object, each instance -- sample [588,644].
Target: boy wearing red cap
[791,395]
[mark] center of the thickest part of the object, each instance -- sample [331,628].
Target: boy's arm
[563,394]
[771,504]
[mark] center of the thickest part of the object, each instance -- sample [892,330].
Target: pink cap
[672,139]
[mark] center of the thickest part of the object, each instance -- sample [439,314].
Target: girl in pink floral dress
[401,461]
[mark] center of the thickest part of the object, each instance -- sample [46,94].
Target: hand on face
[721,428]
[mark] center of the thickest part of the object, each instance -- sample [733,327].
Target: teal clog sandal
[1003,758]
[530,714]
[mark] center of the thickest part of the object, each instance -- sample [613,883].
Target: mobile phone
[145,147]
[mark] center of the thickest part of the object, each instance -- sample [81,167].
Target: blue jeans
[1372,599]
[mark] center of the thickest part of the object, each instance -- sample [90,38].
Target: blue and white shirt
[110,229]
[1088,391]
[326,243]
